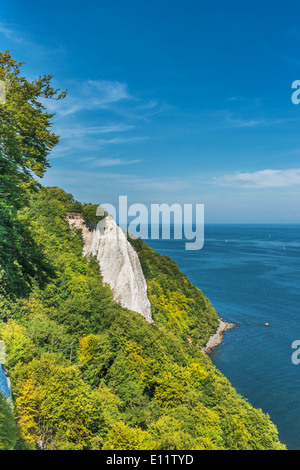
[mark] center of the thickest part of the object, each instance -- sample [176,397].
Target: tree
[26,139]
[168,434]
[19,347]
[53,404]
[8,429]
[122,437]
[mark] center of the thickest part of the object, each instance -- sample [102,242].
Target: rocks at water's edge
[217,337]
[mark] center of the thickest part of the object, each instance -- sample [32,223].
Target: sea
[251,274]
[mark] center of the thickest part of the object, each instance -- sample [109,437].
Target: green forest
[86,373]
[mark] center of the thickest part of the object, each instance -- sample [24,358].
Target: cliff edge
[119,264]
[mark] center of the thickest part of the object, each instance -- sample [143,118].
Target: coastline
[217,337]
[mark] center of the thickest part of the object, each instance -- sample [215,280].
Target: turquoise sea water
[251,274]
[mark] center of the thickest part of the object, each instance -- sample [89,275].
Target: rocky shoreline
[217,337]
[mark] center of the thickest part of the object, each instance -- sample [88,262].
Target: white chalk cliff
[120,266]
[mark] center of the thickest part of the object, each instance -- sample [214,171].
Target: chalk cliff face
[119,263]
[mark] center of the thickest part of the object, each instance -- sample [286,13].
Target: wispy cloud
[11,33]
[112,182]
[28,45]
[248,115]
[254,122]
[90,95]
[262,179]
[90,146]
[106,162]
[78,132]
[121,140]
[92,101]
[231,98]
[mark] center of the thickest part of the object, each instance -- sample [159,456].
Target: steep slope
[177,305]
[87,373]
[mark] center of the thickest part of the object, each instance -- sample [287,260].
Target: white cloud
[78,132]
[105,162]
[85,144]
[253,122]
[29,46]
[122,140]
[90,95]
[103,97]
[262,179]
[112,183]
[10,33]
[107,91]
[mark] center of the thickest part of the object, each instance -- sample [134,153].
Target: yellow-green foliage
[85,372]
[89,374]
[177,305]
[123,437]
[8,428]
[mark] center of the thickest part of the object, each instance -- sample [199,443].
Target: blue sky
[170,101]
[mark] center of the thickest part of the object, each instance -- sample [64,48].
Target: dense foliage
[85,372]
[89,374]
[177,305]
[25,142]
[8,429]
